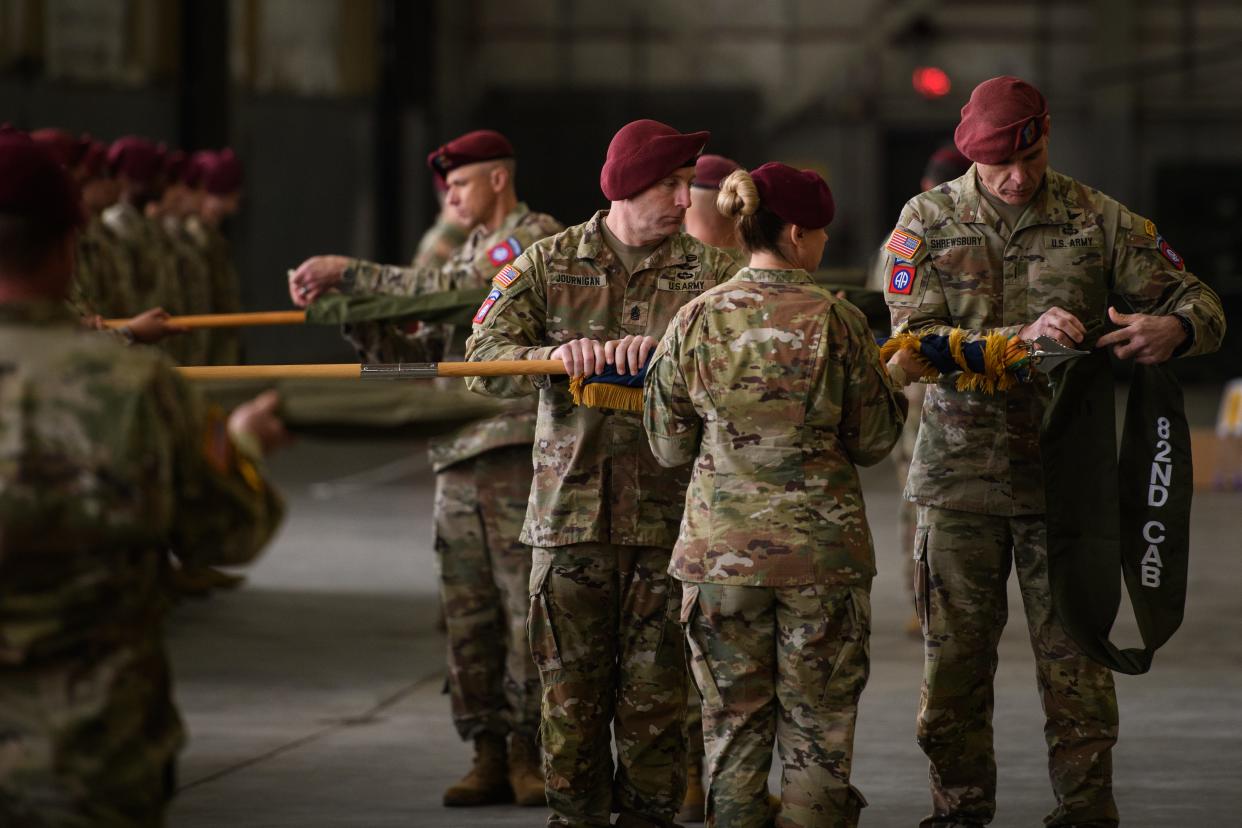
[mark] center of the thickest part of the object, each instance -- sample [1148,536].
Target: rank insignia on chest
[486,307]
[901,278]
[507,276]
[903,245]
[506,251]
[1169,253]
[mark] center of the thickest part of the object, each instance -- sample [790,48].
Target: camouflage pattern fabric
[102,279]
[604,635]
[595,478]
[225,343]
[194,278]
[963,563]
[471,266]
[484,580]
[107,462]
[783,663]
[438,244]
[153,267]
[1071,247]
[774,389]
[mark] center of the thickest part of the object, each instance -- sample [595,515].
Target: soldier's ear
[499,178]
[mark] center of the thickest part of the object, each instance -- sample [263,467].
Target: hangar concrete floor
[313,694]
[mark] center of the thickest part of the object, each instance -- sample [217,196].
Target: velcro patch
[506,251]
[903,245]
[486,307]
[674,283]
[1169,253]
[507,276]
[901,278]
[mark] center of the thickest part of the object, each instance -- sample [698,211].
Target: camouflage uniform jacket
[102,279]
[439,244]
[151,261]
[225,287]
[194,277]
[595,477]
[107,462]
[960,267]
[471,266]
[774,388]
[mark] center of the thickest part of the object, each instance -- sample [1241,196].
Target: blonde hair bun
[738,195]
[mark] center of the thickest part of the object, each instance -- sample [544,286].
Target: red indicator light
[931,82]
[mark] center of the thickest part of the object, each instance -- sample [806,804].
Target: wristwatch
[1189,328]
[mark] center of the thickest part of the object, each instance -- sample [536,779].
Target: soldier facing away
[107,463]
[603,514]
[1017,248]
[774,389]
[483,477]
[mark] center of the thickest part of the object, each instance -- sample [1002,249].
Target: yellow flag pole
[227,320]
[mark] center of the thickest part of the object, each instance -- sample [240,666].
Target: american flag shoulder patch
[507,276]
[903,245]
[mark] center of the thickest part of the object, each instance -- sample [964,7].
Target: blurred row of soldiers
[153,236]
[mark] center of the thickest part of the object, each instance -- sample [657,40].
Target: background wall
[334,104]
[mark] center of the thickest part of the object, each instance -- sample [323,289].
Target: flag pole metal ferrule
[1046,353]
[399,371]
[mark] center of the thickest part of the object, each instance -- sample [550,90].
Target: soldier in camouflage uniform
[107,460]
[192,268]
[603,515]
[483,478]
[1017,248]
[774,389]
[216,180]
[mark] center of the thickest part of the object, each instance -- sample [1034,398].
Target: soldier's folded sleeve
[510,325]
[225,510]
[673,425]
[1151,276]
[872,414]
[920,306]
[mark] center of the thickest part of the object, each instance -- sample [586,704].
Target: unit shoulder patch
[901,278]
[506,251]
[486,307]
[1169,253]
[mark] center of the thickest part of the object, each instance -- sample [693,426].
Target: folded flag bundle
[994,363]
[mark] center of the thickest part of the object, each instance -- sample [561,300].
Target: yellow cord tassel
[605,395]
[1000,354]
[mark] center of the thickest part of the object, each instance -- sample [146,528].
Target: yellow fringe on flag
[605,395]
[957,339]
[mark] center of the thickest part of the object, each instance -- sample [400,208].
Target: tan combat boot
[526,771]
[694,804]
[487,783]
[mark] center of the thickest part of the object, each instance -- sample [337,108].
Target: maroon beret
[223,175]
[946,164]
[174,166]
[60,144]
[642,152]
[196,168]
[1004,115]
[93,157]
[34,185]
[134,157]
[710,170]
[471,148]
[799,197]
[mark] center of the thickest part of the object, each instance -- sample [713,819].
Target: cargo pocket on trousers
[854,655]
[700,670]
[922,578]
[540,628]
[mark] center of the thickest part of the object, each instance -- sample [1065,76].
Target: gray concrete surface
[313,694]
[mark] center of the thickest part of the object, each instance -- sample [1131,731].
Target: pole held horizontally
[227,320]
[389,371]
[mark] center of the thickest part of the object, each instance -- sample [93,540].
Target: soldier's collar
[37,312]
[672,251]
[1048,207]
[789,276]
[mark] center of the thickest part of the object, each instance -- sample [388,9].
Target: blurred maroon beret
[1004,115]
[642,152]
[134,157]
[710,170]
[799,197]
[223,175]
[36,186]
[471,148]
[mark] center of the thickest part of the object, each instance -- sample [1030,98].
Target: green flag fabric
[1110,520]
[450,307]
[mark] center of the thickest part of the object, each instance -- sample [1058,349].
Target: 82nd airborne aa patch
[901,278]
[505,251]
[1169,253]
[903,245]
[486,307]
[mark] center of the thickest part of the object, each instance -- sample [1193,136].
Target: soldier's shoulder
[539,225]
[1096,206]
[937,202]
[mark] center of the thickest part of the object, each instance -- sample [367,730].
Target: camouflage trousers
[963,562]
[603,631]
[89,740]
[783,663]
[903,454]
[480,504]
